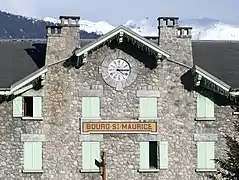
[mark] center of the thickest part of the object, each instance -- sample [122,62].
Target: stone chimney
[62,39]
[175,39]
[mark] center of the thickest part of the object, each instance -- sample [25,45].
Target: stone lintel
[205,137]
[33,92]
[90,93]
[33,137]
[148,93]
[91,137]
[148,137]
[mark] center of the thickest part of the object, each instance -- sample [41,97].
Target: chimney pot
[70,20]
[168,21]
[52,30]
[184,32]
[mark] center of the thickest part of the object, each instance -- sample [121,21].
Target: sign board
[119,127]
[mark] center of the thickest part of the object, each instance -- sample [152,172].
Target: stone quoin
[157,106]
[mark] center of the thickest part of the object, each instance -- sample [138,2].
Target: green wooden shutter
[86,155]
[210,156]
[94,154]
[201,155]
[163,155]
[95,107]
[205,107]
[33,156]
[86,107]
[17,107]
[28,154]
[90,153]
[90,107]
[144,155]
[37,106]
[201,106]
[209,108]
[205,155]
[37,155]
[148,107]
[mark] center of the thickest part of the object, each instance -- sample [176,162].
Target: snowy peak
[100,27]
[218,31]
[52,20]
[203,29]
[143,27]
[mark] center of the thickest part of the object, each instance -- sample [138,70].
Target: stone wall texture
[62,111]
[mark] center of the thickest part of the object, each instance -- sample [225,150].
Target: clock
[118,72]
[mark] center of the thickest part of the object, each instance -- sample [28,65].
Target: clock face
[119,70]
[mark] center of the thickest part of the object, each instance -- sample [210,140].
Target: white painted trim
[120,30]
[97,43]
[18,85]
[23,89]
[4,92]
[148,170]
[235,113]
[32,118]
[147,44]
[89,171]
[212,80]
[32,171]
[206,170]
[15,87]
[234,93]
[205,118]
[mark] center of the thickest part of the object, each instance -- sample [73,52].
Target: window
[148,108]
[153,154]
[91,107]
[205,156]
[149,153]
[27,107]
[90,156]
[32,156]
[205,107]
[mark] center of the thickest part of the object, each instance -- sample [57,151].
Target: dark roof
[19,58]
[219,58]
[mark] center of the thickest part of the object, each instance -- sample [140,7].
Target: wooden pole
[104,165]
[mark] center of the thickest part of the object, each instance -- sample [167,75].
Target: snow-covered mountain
[203,29]
[16,26]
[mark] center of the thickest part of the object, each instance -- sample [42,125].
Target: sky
[118,12]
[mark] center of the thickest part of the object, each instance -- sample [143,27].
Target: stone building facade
[156,114]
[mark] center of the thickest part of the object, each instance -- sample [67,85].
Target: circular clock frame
[119,72]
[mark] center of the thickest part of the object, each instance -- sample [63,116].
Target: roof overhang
[207,80]
[122,33]
[24,84]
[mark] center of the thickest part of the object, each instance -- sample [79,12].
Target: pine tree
[229,166]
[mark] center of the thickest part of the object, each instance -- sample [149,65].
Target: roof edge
[212,78]
[16,86]
[112,33]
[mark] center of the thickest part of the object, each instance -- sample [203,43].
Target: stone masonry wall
[11,147]
[62,111]
[176,110]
